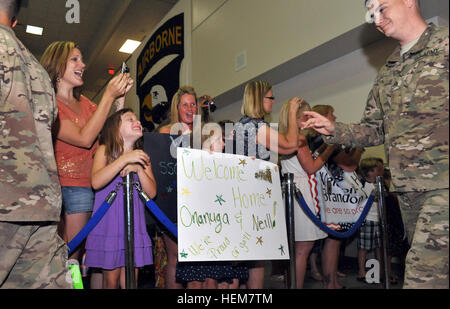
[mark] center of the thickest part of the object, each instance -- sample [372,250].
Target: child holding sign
[212,274]
[184,108]
[117,156]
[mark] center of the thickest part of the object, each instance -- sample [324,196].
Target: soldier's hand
[319,123]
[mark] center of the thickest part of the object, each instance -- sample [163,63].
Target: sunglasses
[271,98]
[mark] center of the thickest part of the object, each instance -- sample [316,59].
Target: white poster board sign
[344,200]
[230,208]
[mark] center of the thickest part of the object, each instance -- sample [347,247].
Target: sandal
[340,275]
[316,276]
[277,277]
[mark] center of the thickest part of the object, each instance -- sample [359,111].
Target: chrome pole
[130,277]
[290,223]
[383,220]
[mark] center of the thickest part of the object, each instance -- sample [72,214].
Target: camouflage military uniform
[29,186]
[407,111]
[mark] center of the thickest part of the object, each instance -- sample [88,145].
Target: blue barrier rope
[154,209]
[325,228]
[99,214]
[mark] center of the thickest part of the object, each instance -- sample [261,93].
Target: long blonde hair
[252,102]
[283,122]
[54,61]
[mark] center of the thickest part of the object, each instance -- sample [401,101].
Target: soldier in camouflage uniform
[32,254]
[407,111]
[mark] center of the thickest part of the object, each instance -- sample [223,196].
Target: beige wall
[343,83]
[271,33]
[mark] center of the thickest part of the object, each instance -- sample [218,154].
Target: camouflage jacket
[407,111]
[29,186]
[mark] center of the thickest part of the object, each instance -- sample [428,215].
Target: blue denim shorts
[77,200]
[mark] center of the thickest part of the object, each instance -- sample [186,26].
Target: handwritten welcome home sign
[229,208]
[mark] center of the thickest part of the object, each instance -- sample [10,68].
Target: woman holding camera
[76,130]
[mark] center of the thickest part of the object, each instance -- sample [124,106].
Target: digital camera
[212,106]
[124,68]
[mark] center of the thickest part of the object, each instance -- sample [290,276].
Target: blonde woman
[255,133]
[303,164]
[76,130]
[184,108]
[255,138]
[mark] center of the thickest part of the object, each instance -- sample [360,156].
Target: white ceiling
[104,26]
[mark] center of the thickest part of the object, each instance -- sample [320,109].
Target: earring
[58,78]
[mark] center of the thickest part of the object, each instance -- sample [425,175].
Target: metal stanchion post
[383,220]
[289,203]
[130,277]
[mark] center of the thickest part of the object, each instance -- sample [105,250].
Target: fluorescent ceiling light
[129,46]
[34,30]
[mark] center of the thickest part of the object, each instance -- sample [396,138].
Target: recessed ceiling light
[34,30]
[129,46]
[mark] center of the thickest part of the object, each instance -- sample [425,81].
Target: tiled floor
[348,266]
